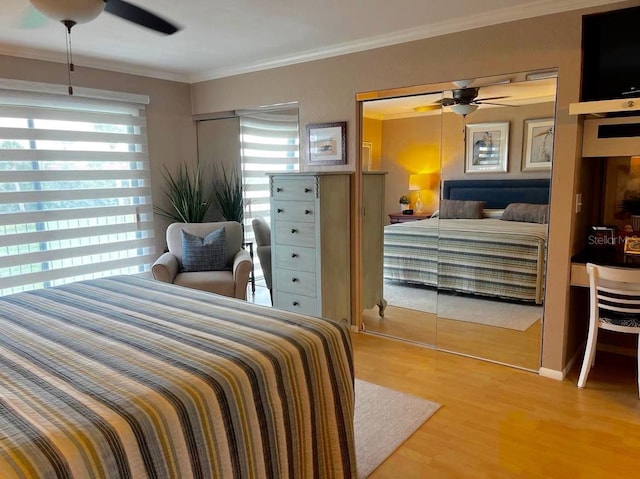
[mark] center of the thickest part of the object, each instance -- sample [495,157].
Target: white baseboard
[560,375]
[551,374]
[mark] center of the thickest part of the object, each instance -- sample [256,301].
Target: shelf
[602,107]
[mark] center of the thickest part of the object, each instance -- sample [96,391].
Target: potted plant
[228,193]
[404,203]
[187,193]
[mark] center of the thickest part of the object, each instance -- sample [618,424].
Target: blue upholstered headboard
[498,193]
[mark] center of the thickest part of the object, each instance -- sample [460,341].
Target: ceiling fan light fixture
[78,11]
[463,109]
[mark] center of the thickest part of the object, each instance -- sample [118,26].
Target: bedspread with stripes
[487,257]
[126,377]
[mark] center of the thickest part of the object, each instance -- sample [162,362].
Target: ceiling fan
[469,96]
[72,12]
[83,11]
[465,99]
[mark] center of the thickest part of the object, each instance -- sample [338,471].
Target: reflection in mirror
[498,128]
[496,170]
[405,135]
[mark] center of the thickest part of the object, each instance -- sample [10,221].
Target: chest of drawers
[310,243]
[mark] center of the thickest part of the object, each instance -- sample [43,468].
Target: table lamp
[418,182]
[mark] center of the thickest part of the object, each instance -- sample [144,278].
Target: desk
[252,276]
[602,256]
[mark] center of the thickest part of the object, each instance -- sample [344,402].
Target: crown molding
[88,62]
[494,17]
[508,14]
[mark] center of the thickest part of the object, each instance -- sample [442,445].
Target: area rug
[384,419]
[492,312]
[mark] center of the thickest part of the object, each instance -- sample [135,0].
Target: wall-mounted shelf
[602,107]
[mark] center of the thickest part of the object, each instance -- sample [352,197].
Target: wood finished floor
[502,422]
[519,348]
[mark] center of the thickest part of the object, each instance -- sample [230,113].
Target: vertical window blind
[75,192]
[269,143]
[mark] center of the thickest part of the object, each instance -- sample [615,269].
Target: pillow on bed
[526,212]
[460,209]
[204,254]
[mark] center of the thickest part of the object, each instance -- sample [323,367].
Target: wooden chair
[614,304]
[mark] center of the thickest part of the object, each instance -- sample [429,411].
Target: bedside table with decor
[403,218]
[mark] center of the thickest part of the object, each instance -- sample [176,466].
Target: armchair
[232,281]
[262,233]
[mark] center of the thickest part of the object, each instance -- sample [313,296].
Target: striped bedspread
[486,257]
[130,378]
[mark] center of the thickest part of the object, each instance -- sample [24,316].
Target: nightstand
[402,218]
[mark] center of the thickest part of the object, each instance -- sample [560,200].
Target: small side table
[252,276]
[402,218]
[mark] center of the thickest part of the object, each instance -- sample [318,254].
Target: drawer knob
[307,190]
[294,255]
[294,280]
[280,210]
[295,303]
[293,230]
[631,104]
[307,212]
[279,190]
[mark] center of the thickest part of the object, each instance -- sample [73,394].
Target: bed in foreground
[131,378]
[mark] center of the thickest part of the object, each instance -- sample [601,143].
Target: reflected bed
[487,257]
[131,378]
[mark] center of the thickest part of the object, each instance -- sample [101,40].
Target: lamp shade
[464,110]
[79,11]
[422,181]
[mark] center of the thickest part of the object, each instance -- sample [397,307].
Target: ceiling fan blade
[478,102]
[446,101]
[140,16]
[492,98]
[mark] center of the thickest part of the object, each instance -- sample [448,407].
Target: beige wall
[171,132]
[453,141]
[219,144]
[372,132]
[326,89]
[410,146]
[435,144]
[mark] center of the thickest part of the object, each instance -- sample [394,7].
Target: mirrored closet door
[466,272]
[493,229]
[403,135]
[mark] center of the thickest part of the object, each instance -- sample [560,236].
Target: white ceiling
[226,37]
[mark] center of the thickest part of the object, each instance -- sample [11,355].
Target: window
[269,143]
[75,195]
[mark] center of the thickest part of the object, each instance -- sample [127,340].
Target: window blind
[75,193]
[269,142]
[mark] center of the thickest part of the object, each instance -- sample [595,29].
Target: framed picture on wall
[487,147]
[537,152]
[327,143]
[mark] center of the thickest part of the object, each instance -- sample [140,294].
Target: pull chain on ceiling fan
[72,12]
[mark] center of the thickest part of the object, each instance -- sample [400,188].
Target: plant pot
[404,206]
